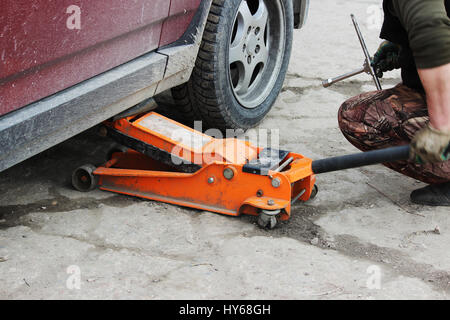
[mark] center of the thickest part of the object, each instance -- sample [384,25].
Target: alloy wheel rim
[256,50]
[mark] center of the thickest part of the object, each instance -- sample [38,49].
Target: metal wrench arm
[329,82]
[367,68]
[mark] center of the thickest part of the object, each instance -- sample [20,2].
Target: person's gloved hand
[386,58]
[430,145]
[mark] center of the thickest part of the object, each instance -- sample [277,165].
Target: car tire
[241,64]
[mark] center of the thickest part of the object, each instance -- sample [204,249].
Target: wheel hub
[251,44]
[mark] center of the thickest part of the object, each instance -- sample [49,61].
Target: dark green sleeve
[428,27]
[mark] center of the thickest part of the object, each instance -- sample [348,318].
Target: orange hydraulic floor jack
[169,162]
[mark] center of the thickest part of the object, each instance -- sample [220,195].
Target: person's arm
[428,27]
[431,144]
[436,82]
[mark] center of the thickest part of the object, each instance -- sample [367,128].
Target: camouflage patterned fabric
[389,118]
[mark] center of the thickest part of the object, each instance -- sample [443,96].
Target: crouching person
[418,110]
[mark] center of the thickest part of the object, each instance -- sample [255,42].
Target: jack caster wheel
[314,192]
[268,219]
[83,178]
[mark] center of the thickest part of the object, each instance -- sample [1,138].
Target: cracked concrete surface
[130,248]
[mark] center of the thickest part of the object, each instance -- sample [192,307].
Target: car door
[47,46]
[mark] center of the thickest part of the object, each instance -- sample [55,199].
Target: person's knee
[344,112]
[354,112]
[349,114]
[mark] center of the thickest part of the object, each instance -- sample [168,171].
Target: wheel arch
[301,8]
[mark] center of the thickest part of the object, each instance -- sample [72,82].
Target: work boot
[432,195]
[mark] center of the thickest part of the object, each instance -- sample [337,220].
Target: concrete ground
[361,238]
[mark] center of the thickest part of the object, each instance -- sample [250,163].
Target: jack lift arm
[172,163]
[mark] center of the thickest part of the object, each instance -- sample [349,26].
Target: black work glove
[386,58]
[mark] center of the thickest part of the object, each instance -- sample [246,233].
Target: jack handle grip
[364,159]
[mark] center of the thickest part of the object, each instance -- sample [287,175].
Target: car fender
[301,8]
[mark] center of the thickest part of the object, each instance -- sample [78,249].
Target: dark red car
[68,65]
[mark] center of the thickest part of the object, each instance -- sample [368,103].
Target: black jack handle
[363,159]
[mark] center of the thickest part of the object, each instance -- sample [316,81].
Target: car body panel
[51,120]
[36,119]
[40,55]
[43,124]
[180,15]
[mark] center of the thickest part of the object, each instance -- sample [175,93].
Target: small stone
[315,241]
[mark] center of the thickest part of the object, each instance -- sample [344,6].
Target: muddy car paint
[48,46]
[48,98]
